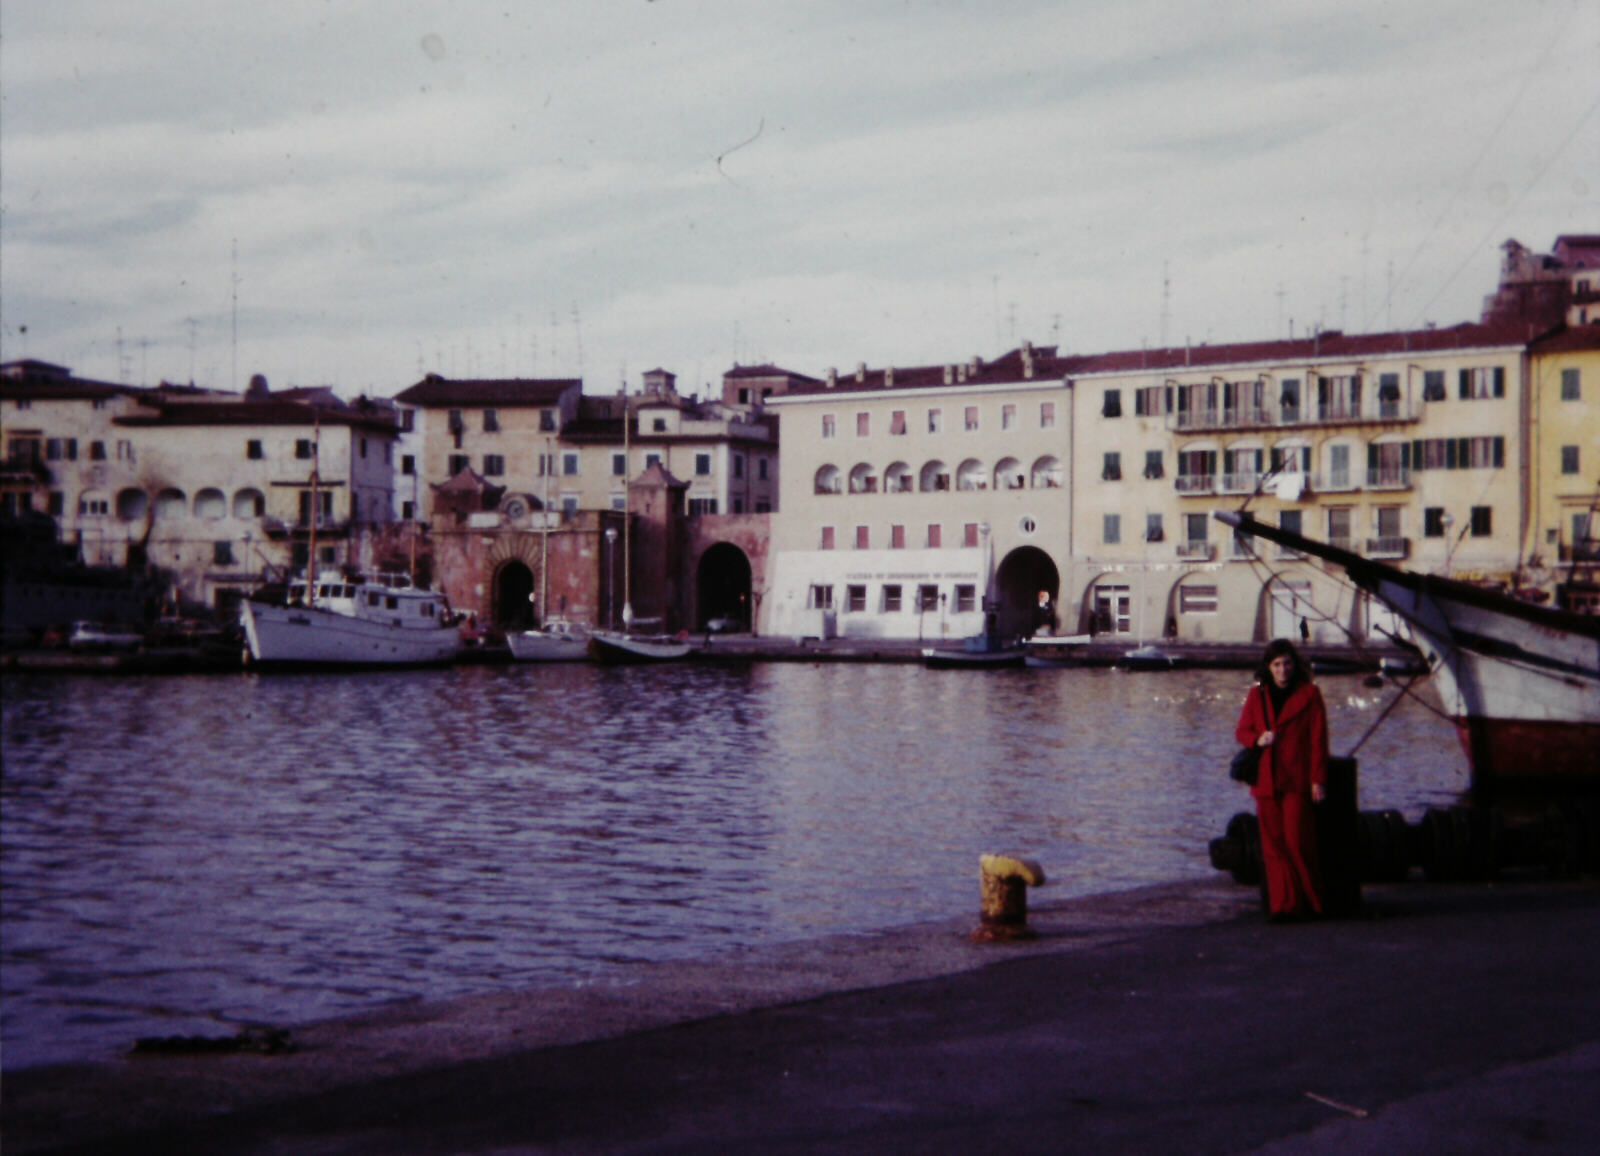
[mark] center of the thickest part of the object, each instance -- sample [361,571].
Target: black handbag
[1245,765]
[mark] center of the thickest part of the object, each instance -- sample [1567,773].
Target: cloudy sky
[599,187]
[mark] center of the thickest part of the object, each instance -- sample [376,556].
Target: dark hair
[1278,648]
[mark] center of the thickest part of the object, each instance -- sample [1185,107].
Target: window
[927,598]
[966,598]
[302,448]
[934,534]
[855,599]
[863,425]
[658,425]
[569,465]
[702,465]
[1289,520]
[1112,406]
[569,505]
[456,422]
[1571,390]
[1484,381]
[1153,531]
[1196,529]
[491,421]
[1111,470]
[493,465]
[1482,521]
[897,537]
[827,538]
[970,418]
[408,464]
[1047,415]
[547,421]
[408,510]
[1433,522]
[935,421]
[969,536]
[1569,459]
[619,465]
[897,423]
[1008,417]
[222,553]
[1111,529]
[1458,453]
[863,538]
[651,460]
[97,451]
[408,420]
[55,504]
[1197,599]
[891,599]
[827,425]
[1150,401]
[698,506]
[761,468]
[52,450]
[819,598]
[458,462]
[1153,467]
[1339,526]
[738,465]
[94,507]
[253,450]
[1433,385]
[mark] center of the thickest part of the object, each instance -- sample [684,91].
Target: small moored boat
[980,651]
[558,641]
[616,648]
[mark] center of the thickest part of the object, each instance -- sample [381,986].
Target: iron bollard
[1003,881]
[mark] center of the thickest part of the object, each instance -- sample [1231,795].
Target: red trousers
[1289,854]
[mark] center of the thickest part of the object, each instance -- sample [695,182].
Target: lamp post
[611,543]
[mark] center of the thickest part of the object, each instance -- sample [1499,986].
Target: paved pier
[1167,1019]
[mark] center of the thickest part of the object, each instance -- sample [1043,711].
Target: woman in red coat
[1284,716]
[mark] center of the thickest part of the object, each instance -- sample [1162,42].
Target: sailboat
[1520,681]
[551,641]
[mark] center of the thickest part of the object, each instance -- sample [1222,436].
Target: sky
[357,192]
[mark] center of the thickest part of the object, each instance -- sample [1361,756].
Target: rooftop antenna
[233,280]
[1279,327]
[192,324]
[122,360]
[1166,300]
[577,335]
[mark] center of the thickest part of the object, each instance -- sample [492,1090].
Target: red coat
[1298,756]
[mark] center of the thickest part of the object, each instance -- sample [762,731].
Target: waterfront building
[917,500]
[213,488]
[1561,553]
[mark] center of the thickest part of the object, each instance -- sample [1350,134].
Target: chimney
[833,377]
[888,378]
[949,374]
[861,373]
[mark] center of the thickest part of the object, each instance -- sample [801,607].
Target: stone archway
[722,587]
[1018,581]
[513,590]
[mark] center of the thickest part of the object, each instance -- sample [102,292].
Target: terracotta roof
[1567,339]
[741,371]
[40,380]
[246,413]
[511,391]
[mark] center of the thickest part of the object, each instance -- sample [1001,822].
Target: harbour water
[187,855]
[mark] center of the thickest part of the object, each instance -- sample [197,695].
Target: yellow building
[1562,547]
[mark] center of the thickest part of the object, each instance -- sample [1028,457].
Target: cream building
[916,499]
[1562,547]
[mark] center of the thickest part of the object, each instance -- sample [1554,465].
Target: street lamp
[611,543]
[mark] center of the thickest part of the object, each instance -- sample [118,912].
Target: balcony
[1370,410]
[1240,483]
[1388,547]
[1196,551]
[1196,483]
[1333,482]
[1389,478]
[1242,549]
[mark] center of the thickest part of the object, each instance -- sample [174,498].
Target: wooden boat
[1150,658]
[337,622]
[978,652]
[617,648]
[1520,681]
[558,641]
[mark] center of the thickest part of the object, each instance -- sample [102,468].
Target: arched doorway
[1023,575]
[513,584]
[722,588]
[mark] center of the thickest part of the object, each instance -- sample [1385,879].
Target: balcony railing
[1389,478]
[1339,543]
[1334,481]
[1197,551]
[1242,549]
[1240,483]
[1295,416]
[1388,547]
[1196,483]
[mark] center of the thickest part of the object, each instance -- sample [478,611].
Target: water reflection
[182,854]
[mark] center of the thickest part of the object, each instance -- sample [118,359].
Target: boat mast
[627,510]
[311,542]
[544,538]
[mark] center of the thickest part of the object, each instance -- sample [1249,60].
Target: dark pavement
[1461,1018]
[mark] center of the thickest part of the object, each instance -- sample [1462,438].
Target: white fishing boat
[617,648]
[1520,681]
[978,652]
[338,622]
[558,641]
[1049,650]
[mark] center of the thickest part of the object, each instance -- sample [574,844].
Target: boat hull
[936,659]
[548,646]
[621,649]
[306,636]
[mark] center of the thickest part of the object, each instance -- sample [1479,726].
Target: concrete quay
[1443,1018]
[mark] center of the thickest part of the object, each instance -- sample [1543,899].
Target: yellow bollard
[1003,881]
